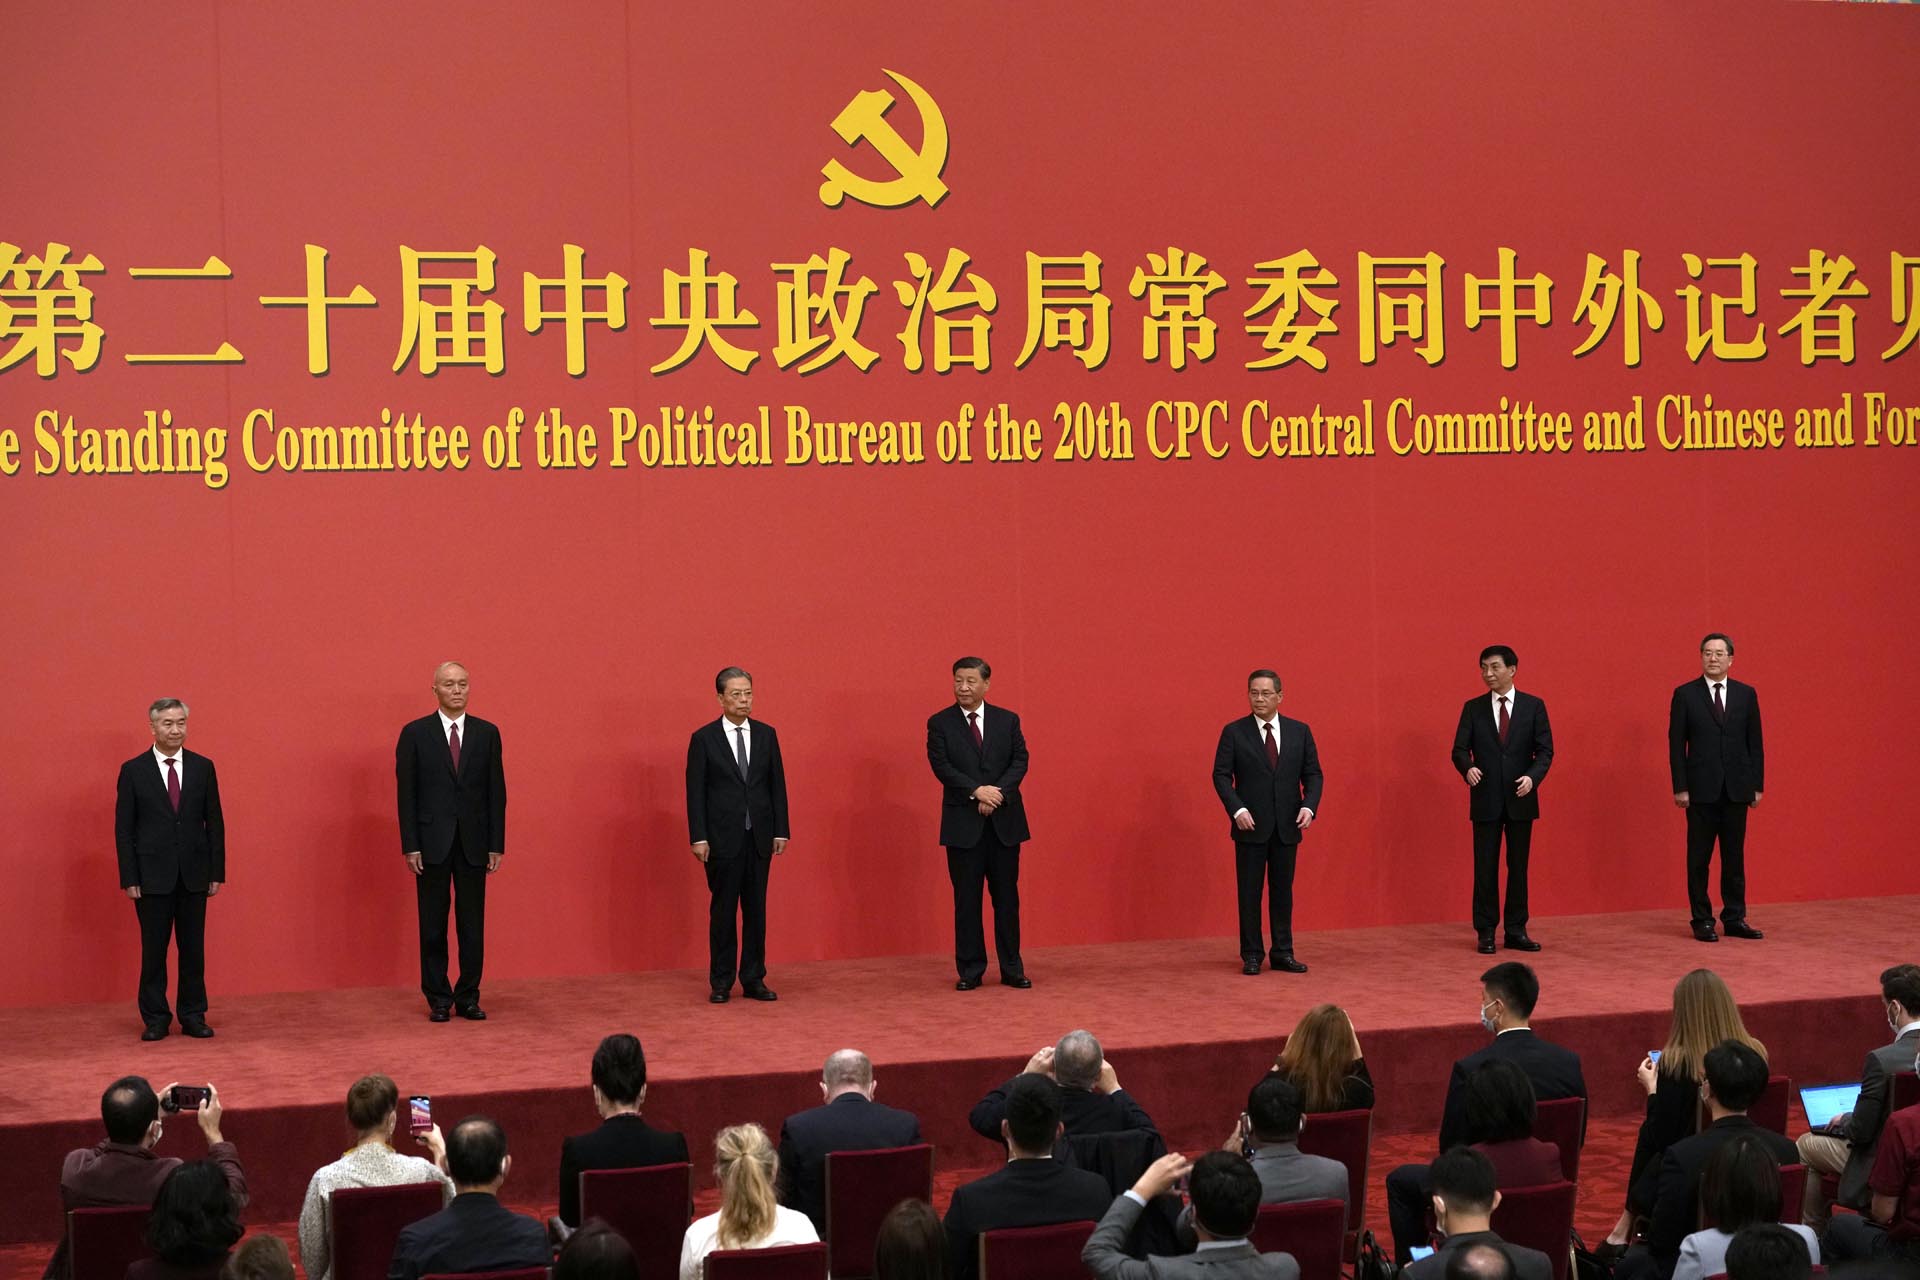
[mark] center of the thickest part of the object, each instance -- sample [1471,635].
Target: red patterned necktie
[453,745]
[1504,722]
[173,786]
[1273,748]
[973,727]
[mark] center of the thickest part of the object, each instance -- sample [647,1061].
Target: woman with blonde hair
[1704,1015]
[1322,1060]
[750,1217]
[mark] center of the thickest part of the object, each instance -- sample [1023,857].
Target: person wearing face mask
[1891,1225]
[1508,993]
[125,1168]
[1847,1145]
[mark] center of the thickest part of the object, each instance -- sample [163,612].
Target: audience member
[750,1216]
[1322,1059]
[1091,1099]
[1890,1228]
[623,1140]
[195,1223]
[475,1232]
[912,1245]
[1481,1262]
[1268,1137]
[1032,1189]
[1500,1115]
[1846,1146]
[1704,1015]
[1740,1188]
[1225,1199]
[123,1168]
[1768,1252]
[596,1252]
[260,1258]
[373,1111]
[848,1120]
[1735,1078]
[1464,1198]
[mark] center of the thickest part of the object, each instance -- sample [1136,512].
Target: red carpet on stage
[1185,1031]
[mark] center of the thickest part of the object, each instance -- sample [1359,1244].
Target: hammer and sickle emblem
[919,171]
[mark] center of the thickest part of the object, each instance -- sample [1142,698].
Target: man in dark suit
[1225,1195]
[1508,993]
[1719,771]
[1465,1194]
[172,847]
[1088,1091]
[737,821]
[452,788]
[475,1232]
[1503,747]
[849,1120]
[623,1140]
[980,756]
[1032,1189]
[1848,1145]
[1267,774]
[1735,1078]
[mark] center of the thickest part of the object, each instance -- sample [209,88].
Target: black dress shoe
[1287,964]
[198,1030]
[439,1013]
[759,993]
[1741,929]
[154,1031]
[1485,945]
[1521,942]
[719,997]
[966,984]
[472,1013]
[1020,983]
[1250,967]
[1705,933]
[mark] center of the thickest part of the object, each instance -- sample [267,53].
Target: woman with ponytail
[750,1217]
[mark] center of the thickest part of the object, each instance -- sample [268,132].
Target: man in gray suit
[1225,1193]
[1269,1136]
[1464,1198]
[1847,1144]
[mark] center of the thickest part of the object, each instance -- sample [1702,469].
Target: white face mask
[1486,1022]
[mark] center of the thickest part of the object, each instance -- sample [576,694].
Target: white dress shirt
[744,751]
[179,765]
[1719,684]
[1513,700]
[446,729]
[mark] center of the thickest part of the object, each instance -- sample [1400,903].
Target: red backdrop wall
[1121,602]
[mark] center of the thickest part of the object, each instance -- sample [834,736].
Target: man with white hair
[1091,1099]
[848,1120]
[453,833]
[172,847]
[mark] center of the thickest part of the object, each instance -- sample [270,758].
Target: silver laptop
[1826,1101]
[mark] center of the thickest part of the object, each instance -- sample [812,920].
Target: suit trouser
[1851,1238]
[1409,1199]
[1272,861]
[1486,873]
[738,885]
[1725,820]
[997,866]
[182,917]
[1821,1153]
[464,885]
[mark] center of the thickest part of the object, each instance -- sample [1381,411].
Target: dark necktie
[1273,748]
[740,761]
[1719,707]
[973,727]
[453,745]
[1505,724]
[173,786]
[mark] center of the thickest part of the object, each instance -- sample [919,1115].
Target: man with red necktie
[172,845]
[1719,770]
[1503,747]
[1266,772]
[453,833]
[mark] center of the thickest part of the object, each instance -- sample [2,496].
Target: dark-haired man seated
[1768,1251]
[1224,1194]
[475,1232]
[123,1169]
[1464,1198]
[623,1140]
[1269,1137]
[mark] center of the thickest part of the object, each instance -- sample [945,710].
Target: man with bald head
[848,1120]
[453,833]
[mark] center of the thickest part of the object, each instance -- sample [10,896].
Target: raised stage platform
[1187,1033]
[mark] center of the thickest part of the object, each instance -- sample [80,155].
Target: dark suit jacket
[719,801]
[1671,1190]
[1554,1071]
[1528,1264]
[1527,753]
[1105,1255]
[1000,761]
[1082,1111]
[621,1142]
[1356,1090]
[849,1123]
[1021,1193]
[1713,761]
[159,848]
[435,802]
[1274,797]
[473,1233]
[1870,1113]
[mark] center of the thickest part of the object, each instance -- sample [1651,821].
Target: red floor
[1185,1031]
